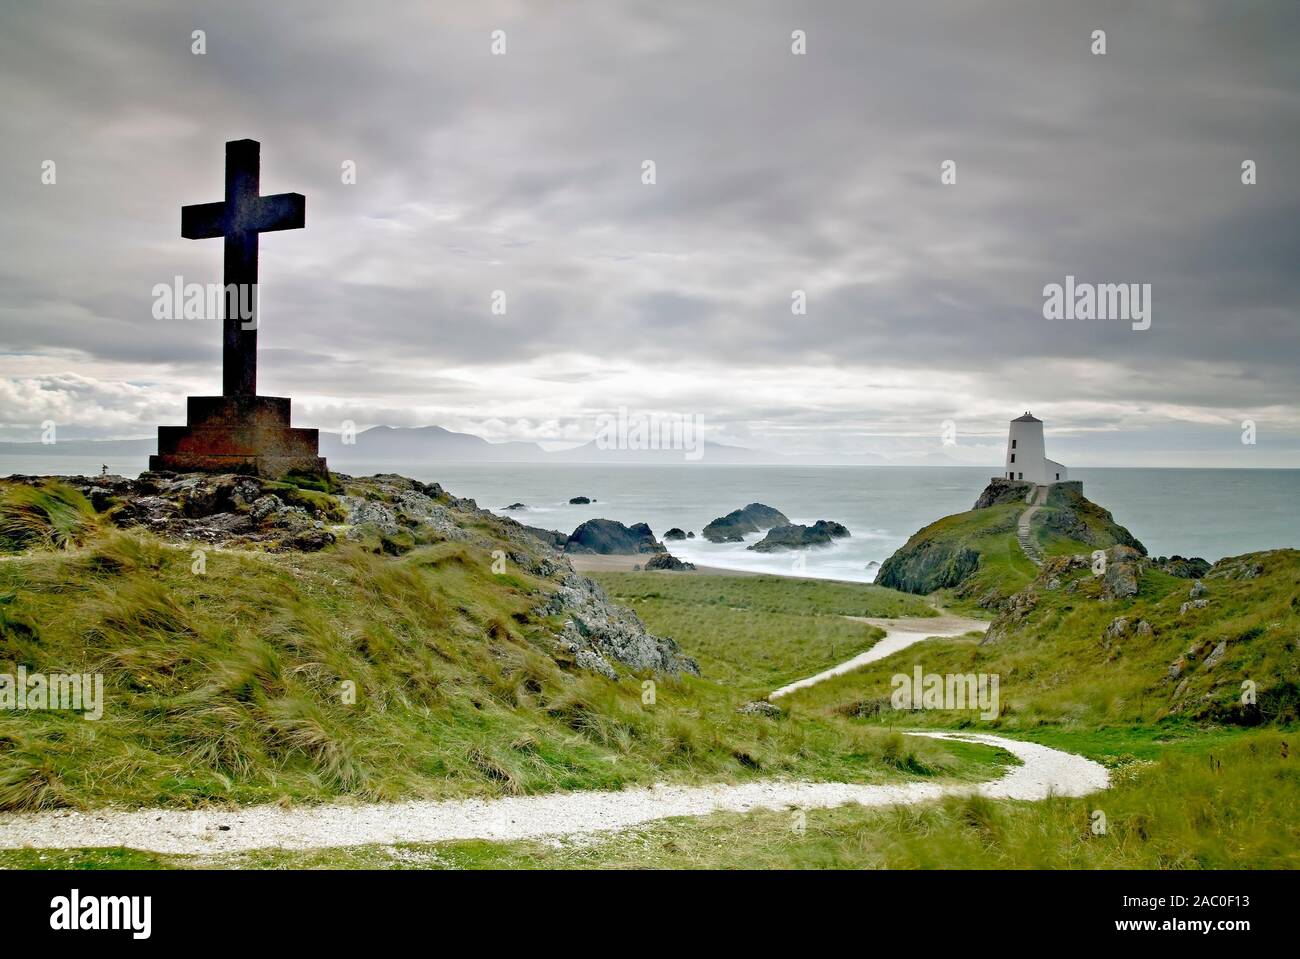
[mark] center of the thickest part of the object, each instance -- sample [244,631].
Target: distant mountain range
[382,446]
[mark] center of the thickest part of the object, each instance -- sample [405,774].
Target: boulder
[516,506]
[753,518]
[1123,571]
[798,536]
[675,533]
[760,707]
[580,501]
[1197,590]
[610,537]
[597,632]
[667,561]
[1183,567]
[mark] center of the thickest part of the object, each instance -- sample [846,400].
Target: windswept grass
[1226,802]
[51,514]
[299,677]
[1060,667]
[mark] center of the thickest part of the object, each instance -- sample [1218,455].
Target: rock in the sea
[751,519]
[517,506]
[675,533]
[691,535]
[798,536]
[580,501]
[607,537]
[667,561]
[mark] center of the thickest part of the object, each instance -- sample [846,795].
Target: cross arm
[203,221]
[280,211]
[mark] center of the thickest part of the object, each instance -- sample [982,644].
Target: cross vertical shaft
[239,334]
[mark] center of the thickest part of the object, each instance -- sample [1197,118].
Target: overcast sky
[775,172]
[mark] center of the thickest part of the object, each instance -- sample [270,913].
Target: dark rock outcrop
[551,537]
[927,566]
[753,518]
[667,561]
[798,536]
[1002,490]
[675,533]
[610,537]
[1184,567]
[517,506]
[388,514]
[579,501]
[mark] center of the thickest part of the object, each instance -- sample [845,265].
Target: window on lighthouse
[1013,457]
[1013,444]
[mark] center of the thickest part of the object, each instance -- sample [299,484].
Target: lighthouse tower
[1026,459]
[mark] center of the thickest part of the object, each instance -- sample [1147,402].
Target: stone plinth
[238,434]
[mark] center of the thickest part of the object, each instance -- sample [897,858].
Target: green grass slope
[275,675]
[976,555]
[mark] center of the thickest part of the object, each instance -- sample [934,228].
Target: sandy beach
[598,563]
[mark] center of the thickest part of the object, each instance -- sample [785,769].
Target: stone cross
[239,431]
[240,218]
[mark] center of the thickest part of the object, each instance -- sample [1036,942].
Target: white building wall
[1056,473]
[1025,458]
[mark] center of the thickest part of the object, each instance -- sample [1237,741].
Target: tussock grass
[301,677]
[1059,667]
[51,514]
[1179,810]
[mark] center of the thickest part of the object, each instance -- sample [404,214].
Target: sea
[1211,513]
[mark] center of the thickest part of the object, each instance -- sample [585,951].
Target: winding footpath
[1042,772]
[899,634]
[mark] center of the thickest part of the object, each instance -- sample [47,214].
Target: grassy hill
[977,555]
[421,648]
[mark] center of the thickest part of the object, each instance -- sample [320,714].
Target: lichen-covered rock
[1190,605]
[1003,490]
[760,707]
[1214,658]
[1123,572]
[614,633]
[1197,590]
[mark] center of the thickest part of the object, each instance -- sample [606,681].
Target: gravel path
[1044,772]
[899,634]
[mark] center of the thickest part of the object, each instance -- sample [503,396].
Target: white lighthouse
[1026,459]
